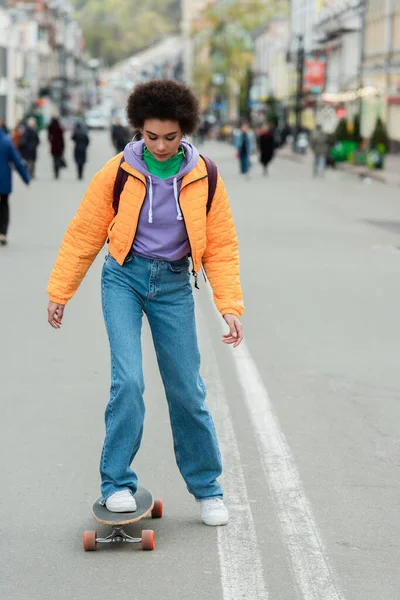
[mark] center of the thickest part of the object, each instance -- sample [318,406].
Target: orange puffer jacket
[212,237]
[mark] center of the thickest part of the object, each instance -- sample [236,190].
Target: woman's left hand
[235,334]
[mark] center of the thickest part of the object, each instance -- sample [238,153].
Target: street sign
[314,74]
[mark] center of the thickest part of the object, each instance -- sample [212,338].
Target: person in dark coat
[28,145]
[266,145]
[119,136]
[56,139]
[81,140]
[8,155]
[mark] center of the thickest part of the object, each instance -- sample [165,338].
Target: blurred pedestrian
[28,145]
[151,237]
[8,156]
[320,147]
[266,146]
[57,146]
[244,146]
[17,135]
[81,141]
[3,127]
[120,136]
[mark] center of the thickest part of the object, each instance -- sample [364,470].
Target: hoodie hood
[133,154]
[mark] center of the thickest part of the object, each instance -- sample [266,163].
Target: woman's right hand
[55,314]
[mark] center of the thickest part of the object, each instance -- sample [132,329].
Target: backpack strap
[212,173]
[119,184]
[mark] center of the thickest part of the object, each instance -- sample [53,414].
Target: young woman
[160,223]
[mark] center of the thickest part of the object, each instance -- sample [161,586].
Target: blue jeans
[244,163]
[162,291]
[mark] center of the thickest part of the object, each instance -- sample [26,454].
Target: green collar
[163,169]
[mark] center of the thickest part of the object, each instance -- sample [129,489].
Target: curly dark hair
[166,100]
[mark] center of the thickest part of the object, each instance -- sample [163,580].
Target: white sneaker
[3,239]
[121,502]
[214,512]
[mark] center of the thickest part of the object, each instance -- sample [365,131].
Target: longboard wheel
[148,542]
[89,540]
[156,513]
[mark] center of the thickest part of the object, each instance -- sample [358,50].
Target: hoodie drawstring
[179,216]
[178,210]
[150,200]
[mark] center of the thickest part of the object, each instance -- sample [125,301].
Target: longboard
[146,505]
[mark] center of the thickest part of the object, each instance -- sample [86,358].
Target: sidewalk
[390,175]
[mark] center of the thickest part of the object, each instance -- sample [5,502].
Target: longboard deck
[144,502]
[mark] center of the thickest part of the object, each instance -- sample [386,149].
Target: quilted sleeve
[84,238]
[221,257]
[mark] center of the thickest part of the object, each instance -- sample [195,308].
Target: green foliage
[342,131]
[272,111]
[228,38]
[379,137]
[114,30]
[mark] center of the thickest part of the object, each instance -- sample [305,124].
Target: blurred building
[339,37]
[302,20]
[272,72]
[190,12]
[5,43]
[381,67]
[338,34]
[303,49]
[47,69]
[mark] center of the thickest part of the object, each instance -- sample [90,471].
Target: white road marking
[241,566]
[310,564]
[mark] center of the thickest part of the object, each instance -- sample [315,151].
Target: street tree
[225,46]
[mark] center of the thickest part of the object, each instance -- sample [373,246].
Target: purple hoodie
[161,232]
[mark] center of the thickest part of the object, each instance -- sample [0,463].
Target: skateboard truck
[118,535]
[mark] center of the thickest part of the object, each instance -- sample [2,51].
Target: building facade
[381,67]
[338,32]
[43,66]
[272,78]
[191,9]
[303,14]
[339,36]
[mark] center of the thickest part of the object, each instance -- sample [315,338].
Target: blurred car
[96,119]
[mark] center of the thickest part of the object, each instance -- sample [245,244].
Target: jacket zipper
[144,198]
[195,275]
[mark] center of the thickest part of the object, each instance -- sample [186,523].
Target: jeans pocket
[178,266]
[109,259]
[128,258]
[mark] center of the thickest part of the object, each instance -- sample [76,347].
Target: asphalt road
[307,410]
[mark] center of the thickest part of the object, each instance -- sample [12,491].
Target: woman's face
[162,138]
